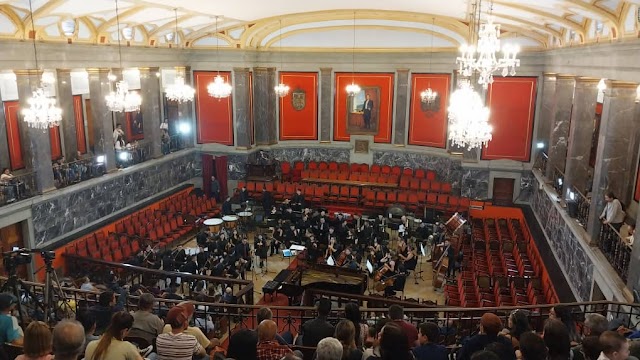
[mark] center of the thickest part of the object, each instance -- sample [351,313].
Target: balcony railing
[77,171]
[133,154]
[557,176]
[615,249]
[176,142]
[19,188]
[541,162]
[583,206]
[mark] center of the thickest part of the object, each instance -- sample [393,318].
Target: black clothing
[480,341]
[244,196]
[315,330]
[267,200]
[226,208]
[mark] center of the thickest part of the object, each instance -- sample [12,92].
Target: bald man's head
[267,330]
[68,339]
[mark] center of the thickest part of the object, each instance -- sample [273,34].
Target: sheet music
[424,253]
[330,261]
[369,267]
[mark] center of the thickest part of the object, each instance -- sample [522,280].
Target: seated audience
[556,338]
[268,347]
[88,321]
[177,344]
[374,350]
[37,342]
[485,355]
[146,324]
[518,324]
[352,312]
[393,344]
[189,309]
[563,313]
[490,326]
[614,346]
[111,345]
[106,307]
[396,314]
[329,349]
[10,331]
[87,285]
[317,329]
[243,344]
[429,334]
[346,334]
[266,314]
[532,347]
[594,325]
[68,340]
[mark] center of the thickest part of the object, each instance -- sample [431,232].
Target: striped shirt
[177,346]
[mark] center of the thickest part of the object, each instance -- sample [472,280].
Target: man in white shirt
[614,346]
[612,213]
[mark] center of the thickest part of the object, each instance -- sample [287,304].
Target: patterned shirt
[271,350]
[177,346]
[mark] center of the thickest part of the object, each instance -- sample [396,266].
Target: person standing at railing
[632,232]
[613,212]
[165,140]
[7,180]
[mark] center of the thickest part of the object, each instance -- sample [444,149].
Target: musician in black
[304,223]
[278,238]
[226,207]
[260,247]
[322,228]
[179,257]
[423,231]
[267,199]
[203,236]
[167,261]
[244,194]
[291,236]
[190,266]
[202,257]
[298,200]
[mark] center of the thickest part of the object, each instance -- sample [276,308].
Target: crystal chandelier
[42,112]
[281,89]
[488,45]
[121,99]
[353,88]
[429,95]
[219,88]
[179,91]
[468,118]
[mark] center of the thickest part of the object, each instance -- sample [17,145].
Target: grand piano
[293,283]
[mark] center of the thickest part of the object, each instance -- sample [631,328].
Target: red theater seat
[425,185]
[386,169]
[312,165]
[380,199]
[354,194]
[404,182]
[364,168]
[403,197]
[420,174]
[355,167]
[343,167]
[436,186]
[375,169]
[333,166]
[431,175]
[414,184]
[446,188]
[334,193]
[343,175]
[396,171]
[323,165]
[407,172]
[392,197]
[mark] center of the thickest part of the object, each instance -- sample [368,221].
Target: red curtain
[221,175]
[207,171]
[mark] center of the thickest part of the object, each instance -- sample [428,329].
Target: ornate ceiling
[381,25]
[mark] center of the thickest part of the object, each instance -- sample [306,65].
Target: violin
[343,257]
[381,285]
[380,273]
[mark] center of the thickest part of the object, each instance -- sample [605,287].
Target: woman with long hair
[394,344]
[556,338]
[111,345]
[346,333]
[37,342]
[352,312]
[518,324]
[563,313]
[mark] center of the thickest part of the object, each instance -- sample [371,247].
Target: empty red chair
[363,177]
[305,174]
[375,169]
[446,188]
[386,169]
[414,203]
[344,193]
[442,200]
[314,174]
[464,203]
[323,165]
[380,199]
[414,184]
[343,175]
[369,197]
[422,197]
[432,199]
[454,201]
[355,168]
[425,185]
[431,175]
[269,186]
[407,172]
[290,189]
[280,191]
[403,197]
[334,193]
[392,197]
[343,167]
[285,170]
[309,190]
[251,187]
[318,194]
[298,165]
[333,175]
[353,176]
[354,194]
[382,178]
[312,165]
[364,168]
[120,227]
[396,171]
[420,174]
[333,166]
[372,178]
[404,182]
[324,174]
[436,186]
[392,179]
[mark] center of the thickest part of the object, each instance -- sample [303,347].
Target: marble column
[185,111]
[580,135]
[633,279]
[402,100]
[326,101]
[120,117]
[242,107]
[4,141]
[264,100]
[546,109]
[151,117]
[613,169]
[560,122]
[36,145]
[68,125]
[101,116]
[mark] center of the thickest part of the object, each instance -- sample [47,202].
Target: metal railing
[557,176]
[135,153]
[20,187]
[615,249]
[77,171]
[583,206]
[175,143]
[541,162]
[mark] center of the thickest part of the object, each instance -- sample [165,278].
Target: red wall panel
[134,125]
[11,109]
[79,119]
[382,81]
[214,117]
[299,124]
[54,141]
[429,128]
[512,102]
[636,194]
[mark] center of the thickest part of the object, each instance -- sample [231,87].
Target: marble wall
[570,254]
[475,183]
[88,202]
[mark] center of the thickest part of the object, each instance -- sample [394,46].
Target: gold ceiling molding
[14,18]
[534,25]
[613,19]
[123,15]
[210,29]
[567,23]
[171,25]
[230,41]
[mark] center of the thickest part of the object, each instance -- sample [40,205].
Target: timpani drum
[230,221]
[214,224]
[244,214]
[454,223]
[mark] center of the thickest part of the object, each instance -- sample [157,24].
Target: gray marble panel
[102,117]
[561,120]
[68,125]
[237,166]
[475,184]
[310,154]
[242,104]
[571,256]
[527,186]
[402,100]
[326,99]
[151,118]
[69,211]
[264,106]
[546,108]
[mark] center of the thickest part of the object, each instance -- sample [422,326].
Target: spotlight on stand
[124,156]
[100,159]
[184,128]
[540,145]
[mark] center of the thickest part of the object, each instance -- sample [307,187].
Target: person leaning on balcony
[632,232]
[613,213]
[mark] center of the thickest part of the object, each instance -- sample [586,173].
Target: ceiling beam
[171,25]
[42,11]
[598,11]
[529,23]
[123,15]
[553,18]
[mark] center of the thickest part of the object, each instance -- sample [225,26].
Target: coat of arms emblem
[299,99]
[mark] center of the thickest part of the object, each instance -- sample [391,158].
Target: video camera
[23,256]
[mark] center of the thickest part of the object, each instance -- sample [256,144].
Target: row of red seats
[112,248]
[344,176]
[191,205]
[289,172]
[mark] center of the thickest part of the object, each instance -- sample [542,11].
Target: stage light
[184,128]
[560,181]
[100,159]
[540,145]
[572,195]
[124,156]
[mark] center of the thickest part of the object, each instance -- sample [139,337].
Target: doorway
[503,191]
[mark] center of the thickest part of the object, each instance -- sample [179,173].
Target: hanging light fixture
[179,91]
[429,95]
[219,88]
[468,118]
[43,113]
[122,99]
[281,89]
[488,44]
[353,88]
[602,85]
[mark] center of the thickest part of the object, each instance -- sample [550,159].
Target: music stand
[422,254]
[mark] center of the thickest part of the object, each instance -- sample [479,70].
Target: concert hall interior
[449,158]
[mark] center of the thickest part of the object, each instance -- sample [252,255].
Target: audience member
[106,307]
[518,324]
[146,324]
[10,331]
[68,340]
[37,342]
[177,344]
[352,312]
[268,347]
[594,325]
[87,285]
[484,355]
[396,313]
[532,347]
[490,326]
[329,348]
[429,334]
[346,334]
[88,321]
[243,345]
[266,314]
[111,345]
[614,346]
[393,343]
[563,313]
[189,309]
[374,351]
[556,338]
[317,329]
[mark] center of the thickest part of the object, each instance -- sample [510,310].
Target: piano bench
[270,287]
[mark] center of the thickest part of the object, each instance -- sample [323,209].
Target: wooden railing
[615,249]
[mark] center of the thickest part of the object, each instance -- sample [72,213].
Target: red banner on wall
[11,109]
[428,122]
[79,119]
[214,117]
[350,117]
[299,109]
[54,141]
[512,102]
